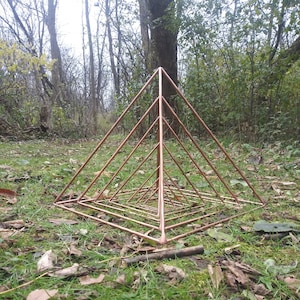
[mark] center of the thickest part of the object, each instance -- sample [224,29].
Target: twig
[24,284]
[171,253]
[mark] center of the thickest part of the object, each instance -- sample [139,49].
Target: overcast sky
[69,25]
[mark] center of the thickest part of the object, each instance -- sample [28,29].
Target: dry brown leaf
[136,283]
[230,279]
[74,251]
[6,233]
[276,189]
[3,288]
[87,280]
[216,275]
[66,272]
[7,193]
[121,279]
[246,268]
[260,289]
[125,249]
[6,167]
[41,294]
[171,271]
[13,200]
[240,276]
[17,224]
[46,261]
[236,269]
[292,282]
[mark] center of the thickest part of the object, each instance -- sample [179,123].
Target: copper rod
[202,228]
[194,162]
[107,134]
[212,135]
[125,161]
[111,224]
[161,211]
[118,216]
[203,154]
[115,153]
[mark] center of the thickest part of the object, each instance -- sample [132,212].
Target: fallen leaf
[238,182]
[121,279]
[260,289]
[6,233]
[293,283]
[249,295]
[239,275]
[219,236]
[278,269]
[276,189]
[171,271]
[17,224]
[5,167]
[74,251]
[41,294]
[274,227]
[137,280]
[87,280]
[230,279]
[7,193]
[255,159]
[124,250]
[73,161]
[83,231]
[216,275]
[46,261]
[66,272]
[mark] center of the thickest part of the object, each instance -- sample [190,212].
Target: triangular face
[159,188]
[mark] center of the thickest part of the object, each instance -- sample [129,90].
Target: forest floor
[48,251]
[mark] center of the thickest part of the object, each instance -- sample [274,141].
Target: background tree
[159,30]
[238,64]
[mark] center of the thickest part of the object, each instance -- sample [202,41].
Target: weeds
[38,170]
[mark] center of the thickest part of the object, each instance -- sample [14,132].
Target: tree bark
[171,253]
[145,32]
[92,85]
[164,50]
[110,47]
[57,71]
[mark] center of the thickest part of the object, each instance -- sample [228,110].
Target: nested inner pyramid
[149,175]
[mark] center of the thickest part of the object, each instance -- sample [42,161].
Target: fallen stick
[172,253]
[23,284]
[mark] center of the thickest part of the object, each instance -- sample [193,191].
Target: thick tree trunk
[57,71]
[164,49]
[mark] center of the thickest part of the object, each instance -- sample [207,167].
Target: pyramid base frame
[182,218]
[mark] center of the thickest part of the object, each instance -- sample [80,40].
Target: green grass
[38,170]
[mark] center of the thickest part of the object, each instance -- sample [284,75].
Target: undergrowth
[38,170]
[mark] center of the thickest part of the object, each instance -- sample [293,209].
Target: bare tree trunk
[100,73]
[92,84]
[110,46]
[164,49]
[57,71]
[145,32]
